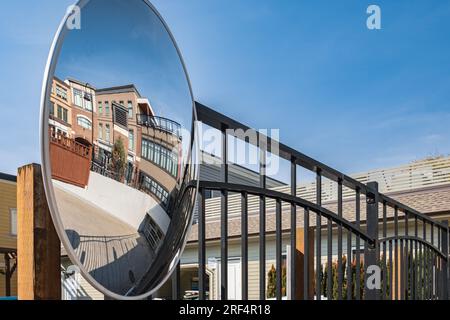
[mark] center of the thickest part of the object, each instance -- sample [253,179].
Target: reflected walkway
[114,253]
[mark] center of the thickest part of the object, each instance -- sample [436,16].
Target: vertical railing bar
[318,234]
[396,251]
[391,287]
[278,249]
[340,269]
[244,244]
[402,271]
[416,282]
[445,270]
[384,250]
[370,251]
[293,266]
[176,289]
[306,271]
[420,272]
[358,244]
[262,221]
[424,259]
[201,245]
[406,280]
[224,218]
[329,260]
[432,261]
[439,265]
[349,266]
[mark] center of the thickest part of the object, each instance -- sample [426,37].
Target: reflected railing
[160,123]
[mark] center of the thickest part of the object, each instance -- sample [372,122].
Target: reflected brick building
[83,116]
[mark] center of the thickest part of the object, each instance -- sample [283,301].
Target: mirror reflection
[120,113]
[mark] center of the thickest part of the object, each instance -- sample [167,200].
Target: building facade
[8,235]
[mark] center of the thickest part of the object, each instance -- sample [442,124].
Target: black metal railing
[343,256]
[159,123]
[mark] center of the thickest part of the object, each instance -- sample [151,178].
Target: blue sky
[119,44]
[353,98]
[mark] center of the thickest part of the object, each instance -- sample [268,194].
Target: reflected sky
[121,44]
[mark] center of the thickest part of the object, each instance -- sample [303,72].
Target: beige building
[8,235]
[422,185]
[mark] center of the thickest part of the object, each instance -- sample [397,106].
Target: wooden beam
[300,280]
[38,245]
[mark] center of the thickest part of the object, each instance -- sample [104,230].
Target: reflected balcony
[159,123]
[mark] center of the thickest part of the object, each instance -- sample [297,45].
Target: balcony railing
[159,123]
[70,160]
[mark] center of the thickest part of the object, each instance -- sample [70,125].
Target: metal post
[201,245]
[176,283]
[445,276]
[370,253]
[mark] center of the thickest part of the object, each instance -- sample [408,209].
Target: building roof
[118,89]
[8,177]
[429,200]
[81,83]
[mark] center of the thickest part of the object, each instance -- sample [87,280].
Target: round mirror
[117,145]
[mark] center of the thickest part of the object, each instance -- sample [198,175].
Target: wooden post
[38,246]
[299,295]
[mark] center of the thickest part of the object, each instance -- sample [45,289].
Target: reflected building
[106,144]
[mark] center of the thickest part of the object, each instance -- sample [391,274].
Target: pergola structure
[10,258]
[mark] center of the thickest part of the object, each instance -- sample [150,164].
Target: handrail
[160,123]
[212,185]
[216,120]
[413,238]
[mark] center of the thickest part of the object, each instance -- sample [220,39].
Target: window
[62,114]
[100,108]
[131,140]
[78,97]
[52,108]
[100,131]
[84,123]
[107,133]
[150,185]
[62,93]
[13,227]
[130,109]
[162,157]
[88,101]
[121,103]
[107,108]
[120,116]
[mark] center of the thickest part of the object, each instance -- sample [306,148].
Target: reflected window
[78,98]
[131,140]
[162,157]
[153,187]
[107,133]
[62,114]
[61,93]
[88,101]
[130,109]
[100,131]
[84,123]
[107,108]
